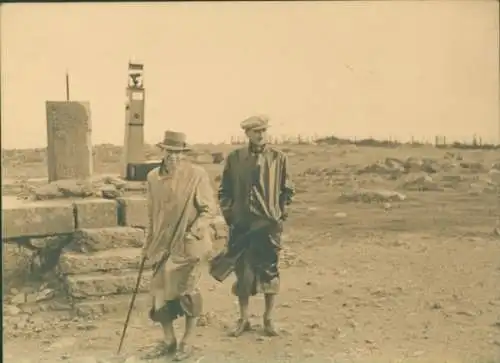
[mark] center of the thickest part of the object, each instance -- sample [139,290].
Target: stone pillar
[69,145]
[133,148]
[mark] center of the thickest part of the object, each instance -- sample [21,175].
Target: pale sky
[378,68]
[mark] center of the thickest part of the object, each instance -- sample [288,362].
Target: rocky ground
[391,256]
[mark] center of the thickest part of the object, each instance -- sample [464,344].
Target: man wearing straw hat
[181,207]
[255,187]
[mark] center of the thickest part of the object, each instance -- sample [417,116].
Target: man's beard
[172,165]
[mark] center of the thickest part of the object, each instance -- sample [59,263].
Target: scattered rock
[19,299]
[494,175]
[413,165]
[65,342]
[436,306]
[115,181]
[309,353]
[105,186]
[473,166]
[132,360]
[206,319]
[320,172]
[418,353]
[466,313]
[85,360]
[453,156]
[389,167]
[426,165]
[314,326]
[453,178]
[45,294]
[110,191]
[482,187]
[11,310]
[420,182]
[371,196]
[430,166]
[46,192]
[75,188]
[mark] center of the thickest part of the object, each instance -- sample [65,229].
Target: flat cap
[255,123]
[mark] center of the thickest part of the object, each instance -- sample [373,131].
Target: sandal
[269,328]
[241,327]
[184,352]
[161,350]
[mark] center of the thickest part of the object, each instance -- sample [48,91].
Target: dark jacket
[255,185]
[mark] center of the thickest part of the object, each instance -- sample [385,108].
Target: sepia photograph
[250,181]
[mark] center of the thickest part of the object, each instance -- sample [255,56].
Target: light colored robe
[180,202]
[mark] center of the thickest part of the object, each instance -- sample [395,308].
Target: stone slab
[72,263]
[96,213]
[112,283]
[133,211]
[101,239]
[136,186]
[69,151]
[36,219]
[112,304]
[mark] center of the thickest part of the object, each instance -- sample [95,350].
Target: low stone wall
[78,255]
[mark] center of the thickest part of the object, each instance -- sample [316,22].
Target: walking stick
[141,268]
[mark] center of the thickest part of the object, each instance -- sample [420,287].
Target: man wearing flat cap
[181,206]
[256,187]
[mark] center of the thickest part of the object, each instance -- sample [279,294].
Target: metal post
[67,86]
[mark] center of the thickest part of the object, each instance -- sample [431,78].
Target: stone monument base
[139,171]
